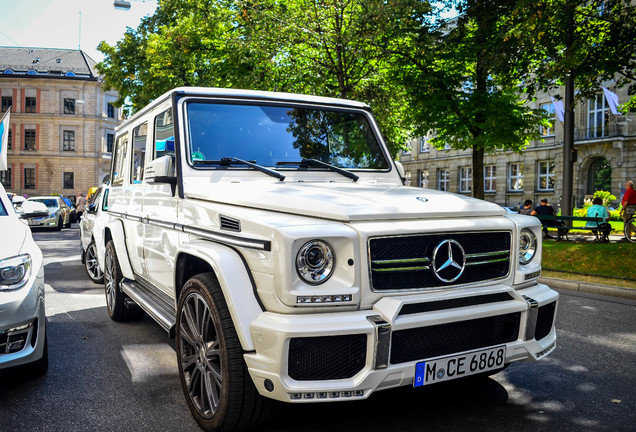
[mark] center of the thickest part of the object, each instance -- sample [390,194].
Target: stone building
[606,157]
[62,122]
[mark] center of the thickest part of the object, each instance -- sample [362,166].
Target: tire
[118,306]
[630,230]
[68,224]
[91,265]
[40,366]
[218,389]
[60,224]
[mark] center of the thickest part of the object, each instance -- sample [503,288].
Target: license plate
[458,366]
[35,223]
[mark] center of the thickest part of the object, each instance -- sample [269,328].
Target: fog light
[339,298]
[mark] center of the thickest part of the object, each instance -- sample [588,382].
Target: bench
[560,223]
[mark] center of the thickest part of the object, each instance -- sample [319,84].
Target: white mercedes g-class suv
[272,236]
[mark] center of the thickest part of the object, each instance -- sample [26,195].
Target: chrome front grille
[437,260]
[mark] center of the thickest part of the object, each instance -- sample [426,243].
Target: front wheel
[218,389]
[119,309]
[630,230]
[91,264]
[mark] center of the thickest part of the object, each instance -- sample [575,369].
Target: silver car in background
[22,314]
[91,228]
[59,213]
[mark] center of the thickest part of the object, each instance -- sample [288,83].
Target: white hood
[13,234]
[346,201]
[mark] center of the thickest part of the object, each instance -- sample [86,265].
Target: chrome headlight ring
[315,262]
[528,246]
[15,272]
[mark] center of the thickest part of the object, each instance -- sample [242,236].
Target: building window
[423,179]
[69,180]
[7,102]
[425,146]
[549,109]
[30,104]
[5,178]
[443,180]
[465,179]
[69,106]
[68,142]
[110,139]
[29,178]
[490,178]
[10,139]
[546,176]
[110,110]
[29,139]
[407,149]
[597,116]
[515,177]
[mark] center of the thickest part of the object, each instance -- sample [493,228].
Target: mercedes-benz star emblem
[449,260]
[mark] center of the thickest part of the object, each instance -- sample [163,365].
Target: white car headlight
[14,272]
[527,246]
[315,262]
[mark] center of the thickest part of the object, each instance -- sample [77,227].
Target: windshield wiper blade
[306,163]
[227,161]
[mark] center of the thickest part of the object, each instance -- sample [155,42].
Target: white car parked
[272,236]
[91,227]
[22,314]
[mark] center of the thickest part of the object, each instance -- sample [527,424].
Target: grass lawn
[604,260]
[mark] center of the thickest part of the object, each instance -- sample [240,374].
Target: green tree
[453,72]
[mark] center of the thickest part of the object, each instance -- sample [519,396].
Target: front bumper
[23,323]
[46,222]
[349,355]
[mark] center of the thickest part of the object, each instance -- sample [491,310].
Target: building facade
[62,123]
[605,144]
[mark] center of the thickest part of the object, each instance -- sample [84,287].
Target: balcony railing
[596,132]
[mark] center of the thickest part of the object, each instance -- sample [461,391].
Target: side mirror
[91,208]
[400,169]
[161,170]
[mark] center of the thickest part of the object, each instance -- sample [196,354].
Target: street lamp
[121,4]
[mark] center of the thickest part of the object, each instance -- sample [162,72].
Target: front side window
[549,109]
[545,176]
[68,143]
[30,104]
[140,133]
[29,178]
[490,178]
[69,180]
[443,180]
[597,116]
[515,177]
[119,159]
[29,139]
[465,179]
[69,106]
[281,136]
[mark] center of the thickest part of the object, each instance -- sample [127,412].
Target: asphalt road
[108,376]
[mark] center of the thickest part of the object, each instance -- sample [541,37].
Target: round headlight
[315,262]
[527,246]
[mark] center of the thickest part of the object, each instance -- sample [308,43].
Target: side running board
[156,304]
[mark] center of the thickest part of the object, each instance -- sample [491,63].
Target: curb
[606,290]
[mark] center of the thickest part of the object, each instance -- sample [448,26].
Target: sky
[56,23]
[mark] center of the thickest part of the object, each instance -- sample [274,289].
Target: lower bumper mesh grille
[545,319]
[327,357]
[434,341]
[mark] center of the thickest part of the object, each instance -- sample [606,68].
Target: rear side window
[119,160]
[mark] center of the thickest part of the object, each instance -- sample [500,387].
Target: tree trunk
[478,173]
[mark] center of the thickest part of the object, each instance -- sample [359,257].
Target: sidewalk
[606,290]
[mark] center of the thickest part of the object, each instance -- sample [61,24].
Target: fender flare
[233,274]
[118,236]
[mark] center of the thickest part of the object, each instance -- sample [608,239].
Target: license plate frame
[446,368]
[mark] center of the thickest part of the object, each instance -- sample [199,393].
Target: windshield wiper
[306,163]
[228,161]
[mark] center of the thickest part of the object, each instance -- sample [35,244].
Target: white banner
[4,140]
[558,109]
[612,100]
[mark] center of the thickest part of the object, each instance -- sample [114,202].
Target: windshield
[267,135]
[49,202]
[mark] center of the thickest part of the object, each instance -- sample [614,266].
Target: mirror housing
[401,172]
[161,170]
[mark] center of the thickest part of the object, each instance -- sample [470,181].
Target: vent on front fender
[229,224]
